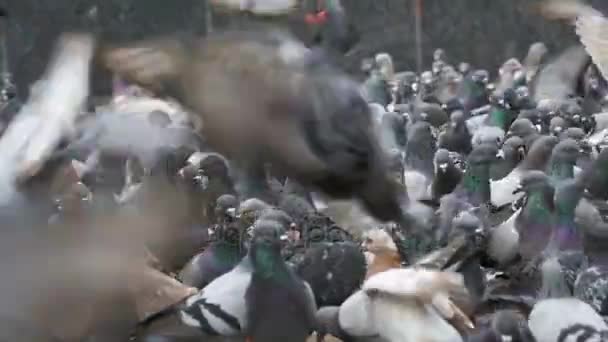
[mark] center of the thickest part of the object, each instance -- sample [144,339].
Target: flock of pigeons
[240,187]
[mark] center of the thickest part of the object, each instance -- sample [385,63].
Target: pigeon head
[438,55]
[484,154]
[427,79]
[159,119]
[226,205]
[522,128]
[533,181]
[575,133]
[265,250]
[567,151]
[464,68]
[557,125]
[470,225]
[250,209]
[203,168]
[457,117]
[481,77]
[510,325]
[515,146]
[442,160]
[277,215]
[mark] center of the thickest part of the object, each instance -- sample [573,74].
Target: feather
[50,112]
[591,27]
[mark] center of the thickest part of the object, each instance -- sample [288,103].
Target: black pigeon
[224,252]
[456,137]
[309,139]
[334,271]
[447,175]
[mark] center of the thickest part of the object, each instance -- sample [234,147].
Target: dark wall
[484,32]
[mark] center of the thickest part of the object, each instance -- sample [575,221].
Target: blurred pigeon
[310,143]
[50,112]
[558,79]
[259,7]
[534,59]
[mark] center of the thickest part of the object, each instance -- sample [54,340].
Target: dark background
[483,32]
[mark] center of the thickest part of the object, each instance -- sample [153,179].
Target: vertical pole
[418,30]
[5,72]
[208,17]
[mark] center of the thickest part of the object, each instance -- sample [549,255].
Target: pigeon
[380,251]
[558,79]
[563,159]
[513,152]
[334,271]
[589,23]
[548,323]
[457,137]
[224,252]
[534,59]
[420,148]
[594,175]
[537,158]
[525,129]
[27,143]
[563,255]
[557,125]
[258,7]
[447,175]
[299,144]
[475,184]
[590,285]
[376,89]
[280,306]
[419,290]
[227,305]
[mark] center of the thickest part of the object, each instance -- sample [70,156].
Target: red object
[316,18]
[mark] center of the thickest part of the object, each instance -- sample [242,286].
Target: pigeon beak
[587,194]
[539,128]
[231,212]
[500,154]
[558,129]
[443,166]
[518,189]
[284,237]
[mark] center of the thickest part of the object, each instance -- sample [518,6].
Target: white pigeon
[404,303]
[259,7]
[49,114]
[551,318]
